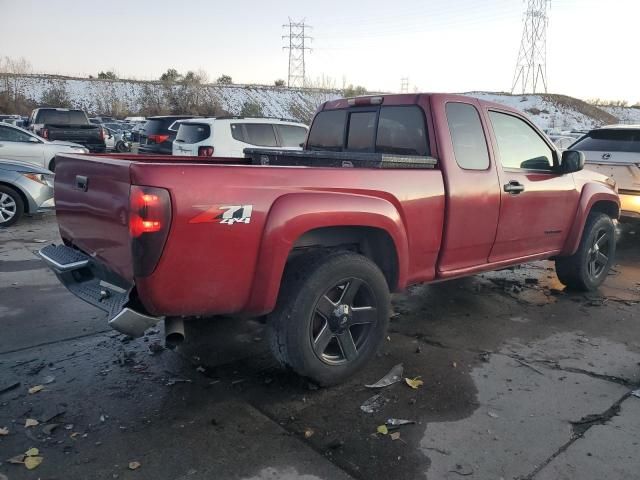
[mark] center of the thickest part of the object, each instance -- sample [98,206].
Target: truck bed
[284,203]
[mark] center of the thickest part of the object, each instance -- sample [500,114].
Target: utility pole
[404,85]
[531,67]
[297,46]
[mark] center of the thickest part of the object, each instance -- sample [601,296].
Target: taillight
[205,151]
[158,138]
[101,130]
[149,221]
[44,133]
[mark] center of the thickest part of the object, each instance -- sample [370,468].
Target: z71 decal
[230,214]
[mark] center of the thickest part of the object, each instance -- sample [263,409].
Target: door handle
[514,187]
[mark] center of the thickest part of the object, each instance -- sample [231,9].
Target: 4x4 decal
[231,214]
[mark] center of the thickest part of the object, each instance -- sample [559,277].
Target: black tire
[589,266]
[329,348]
[121,147]
[52,165]
[11,206]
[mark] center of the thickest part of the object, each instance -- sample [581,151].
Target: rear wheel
[331,317]
[588,267]
[52,165]
[11,206]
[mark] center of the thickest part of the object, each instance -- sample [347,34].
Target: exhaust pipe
[174,331]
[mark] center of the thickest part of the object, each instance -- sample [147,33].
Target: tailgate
[75,133]
[623,167]
[92,208]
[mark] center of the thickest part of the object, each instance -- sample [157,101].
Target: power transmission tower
[297,47]
[531,67]
[404,85]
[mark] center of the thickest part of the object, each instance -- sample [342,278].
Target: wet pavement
[522,380]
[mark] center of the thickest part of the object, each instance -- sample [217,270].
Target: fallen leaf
[35,389]
[32,462]
[414,383]
[4,431]
[134,465]
[31,422]
[16,459]
[454,365]
[493,415]
[32,452]
[395,436]
[382,429]
[308,433]
[74,434]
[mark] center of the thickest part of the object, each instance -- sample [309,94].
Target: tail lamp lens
[158,138]
[149,221]
[44,133]
[205,151]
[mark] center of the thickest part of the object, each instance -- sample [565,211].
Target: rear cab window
[62,117]
[610,140]
[399,130]
[193,132]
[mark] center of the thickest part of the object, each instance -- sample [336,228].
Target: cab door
[537,204]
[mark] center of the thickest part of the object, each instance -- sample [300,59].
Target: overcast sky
[440,45]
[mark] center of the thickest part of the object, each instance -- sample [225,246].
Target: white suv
[229,136]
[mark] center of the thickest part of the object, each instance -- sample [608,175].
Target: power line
[531,66]
[297,48]
[404,85]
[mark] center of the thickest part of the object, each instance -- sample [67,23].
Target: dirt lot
[521,380]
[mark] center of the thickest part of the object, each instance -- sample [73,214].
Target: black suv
[156,138]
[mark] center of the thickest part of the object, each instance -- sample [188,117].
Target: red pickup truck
[389,191]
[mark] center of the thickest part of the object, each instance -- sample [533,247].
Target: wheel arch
[305,221]
[595,198]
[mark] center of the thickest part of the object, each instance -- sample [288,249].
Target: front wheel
[589,266]
[11,206]
[331,317]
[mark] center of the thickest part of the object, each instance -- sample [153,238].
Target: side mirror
[572,161]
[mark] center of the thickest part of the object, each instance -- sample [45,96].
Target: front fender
[294,214]
[592,193]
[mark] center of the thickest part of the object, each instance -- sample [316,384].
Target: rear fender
[594,195]
[295,214]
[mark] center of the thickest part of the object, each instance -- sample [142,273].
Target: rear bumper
[91,282]
[630,206]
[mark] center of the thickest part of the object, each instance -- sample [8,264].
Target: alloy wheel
[342,321]
[598,255]
[8,207]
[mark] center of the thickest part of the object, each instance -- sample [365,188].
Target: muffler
[173,331]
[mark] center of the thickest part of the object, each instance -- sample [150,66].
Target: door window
[290,135]
[469,142]
[260,134]
[519,144]
[8,134]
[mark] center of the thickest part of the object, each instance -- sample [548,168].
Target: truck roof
[408,99]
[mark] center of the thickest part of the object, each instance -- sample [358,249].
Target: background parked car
[563,142]
[116,140]
[614,150]
[19,144]
[229,136]
[69,125]
[156,138]
[24,188]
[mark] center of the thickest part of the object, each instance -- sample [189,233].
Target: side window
[8,134]
[519,145]
[401,131]
[260,134]
[290,135]
[469,142]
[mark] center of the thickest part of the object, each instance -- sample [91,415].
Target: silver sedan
[24,188]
